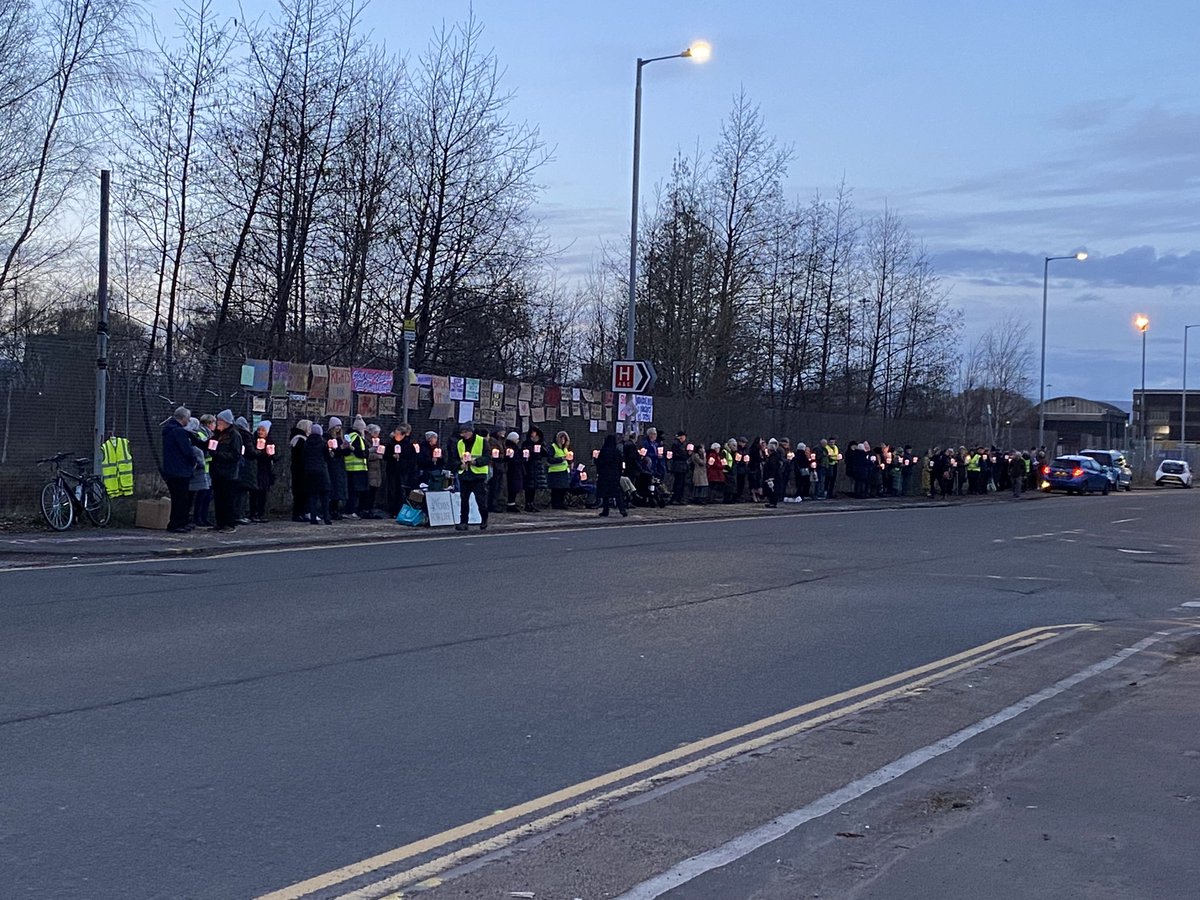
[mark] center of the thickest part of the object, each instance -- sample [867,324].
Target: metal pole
[1183,402]
[1042,379]
[631,324]
[1143,393]
[404,387]
[101,328]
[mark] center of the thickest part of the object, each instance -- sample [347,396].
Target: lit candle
[260,444]
[270,449]
[525,453]
[437,452]
[331,444]
[595,454]
[495,453]
[212,445]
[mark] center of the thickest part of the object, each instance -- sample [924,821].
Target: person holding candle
[430,463]
[225,471]
[316,475]
[699,463]
[399,466]
[375,452]
[264,471]
[609,465]
[558,473]
[296,440]
[534,453]
[248,471]
[338,483]
[679,465]
[496,495]
[474,468]
[356,467]
[514,469]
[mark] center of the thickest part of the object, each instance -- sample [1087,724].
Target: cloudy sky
[1001,132]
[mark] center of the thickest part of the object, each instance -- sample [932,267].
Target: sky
[1001,133]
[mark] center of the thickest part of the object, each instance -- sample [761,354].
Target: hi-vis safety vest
[560,459]
[973,463]
[116,467]
[478,451]
[726,460]
[203,434]
[356,463]
[832,453]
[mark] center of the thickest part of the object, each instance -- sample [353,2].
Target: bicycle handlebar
[58,457]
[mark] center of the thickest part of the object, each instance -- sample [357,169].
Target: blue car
[1075,475]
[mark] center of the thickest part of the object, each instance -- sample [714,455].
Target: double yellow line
[642,776]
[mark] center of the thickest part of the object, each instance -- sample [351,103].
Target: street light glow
[1142,323]
[1081,255]
[699,51]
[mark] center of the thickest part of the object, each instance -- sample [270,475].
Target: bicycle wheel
[57,508]
[96,503]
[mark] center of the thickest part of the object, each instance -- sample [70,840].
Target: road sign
[410,329]
[633,376]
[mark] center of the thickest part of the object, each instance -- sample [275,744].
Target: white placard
[443,509]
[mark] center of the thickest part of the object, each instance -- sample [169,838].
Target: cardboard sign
[444,509]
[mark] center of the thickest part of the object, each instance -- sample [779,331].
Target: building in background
[1164,415]
[1081,423]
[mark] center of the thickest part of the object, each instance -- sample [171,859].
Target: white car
[1174,471]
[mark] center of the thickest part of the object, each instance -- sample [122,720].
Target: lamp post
[699,52]
[1143,325]
[1042,380]
[1183,404]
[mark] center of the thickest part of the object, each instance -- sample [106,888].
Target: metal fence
[48,407]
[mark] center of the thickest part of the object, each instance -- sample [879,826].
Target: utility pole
[101,328]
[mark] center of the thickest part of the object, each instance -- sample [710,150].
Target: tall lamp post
[1042,380]
[1143,325]
[699,52]
[1183,404]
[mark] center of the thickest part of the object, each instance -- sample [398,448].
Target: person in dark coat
[316,476]
[226,470]
[534,453]
[430,459]
[247,472]
[339,488]
[516,469]
[264,471]
[770,473]
[400,467]
[296,442]
[179,464]
[609,465]
[753,456]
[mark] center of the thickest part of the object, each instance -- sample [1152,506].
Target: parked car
[1075,475]
[1113,461]
[1174,471]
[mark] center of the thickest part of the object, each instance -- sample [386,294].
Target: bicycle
[68,495]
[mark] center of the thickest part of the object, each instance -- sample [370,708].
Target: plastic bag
[410,515]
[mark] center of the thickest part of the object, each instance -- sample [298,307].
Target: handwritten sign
[371,381]
[340,391]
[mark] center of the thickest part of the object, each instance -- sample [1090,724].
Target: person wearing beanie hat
[338,482]
[316,455]
[357,482]
[296,441]
[178,467]
[264,471]
[248,472]
[226,448]
[202,481]
[515,476]
[375,451]
[430,460]
[496,486]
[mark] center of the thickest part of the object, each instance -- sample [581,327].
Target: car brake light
[1075,473]
[1045,470]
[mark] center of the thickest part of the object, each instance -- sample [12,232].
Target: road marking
[1123,521]
[731,851]
[939,669]
[368,541]
[1139,552]
[1191,604]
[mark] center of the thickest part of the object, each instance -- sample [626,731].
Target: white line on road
[1138,552]
[1123,521]
[747,843]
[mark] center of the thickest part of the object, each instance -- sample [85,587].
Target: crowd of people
[220,470]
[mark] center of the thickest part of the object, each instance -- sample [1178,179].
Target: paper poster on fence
[442,411]
[368,405]
[497,395]
[319,388]
[553,396]
[371,381]
[340,392]
[279,378]
[387,404]
[256,375]
[279,412]
[645,407]
[258,404]
[297,378]
[471,391]
[466,411]
[458,387]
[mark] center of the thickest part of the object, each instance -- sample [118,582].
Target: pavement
[438,711]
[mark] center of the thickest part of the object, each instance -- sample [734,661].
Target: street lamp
[698,52]
[1183,410]
[1081,255]
[1142,324]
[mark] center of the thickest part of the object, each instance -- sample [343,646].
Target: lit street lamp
[698,52]
[1081,255]
[1142,324]
[1183,409]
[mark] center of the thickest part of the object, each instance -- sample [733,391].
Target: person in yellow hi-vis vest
[116,466]
[473,471]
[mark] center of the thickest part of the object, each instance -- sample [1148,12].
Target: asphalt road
[222,727]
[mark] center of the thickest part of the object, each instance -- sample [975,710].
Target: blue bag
[410,515]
